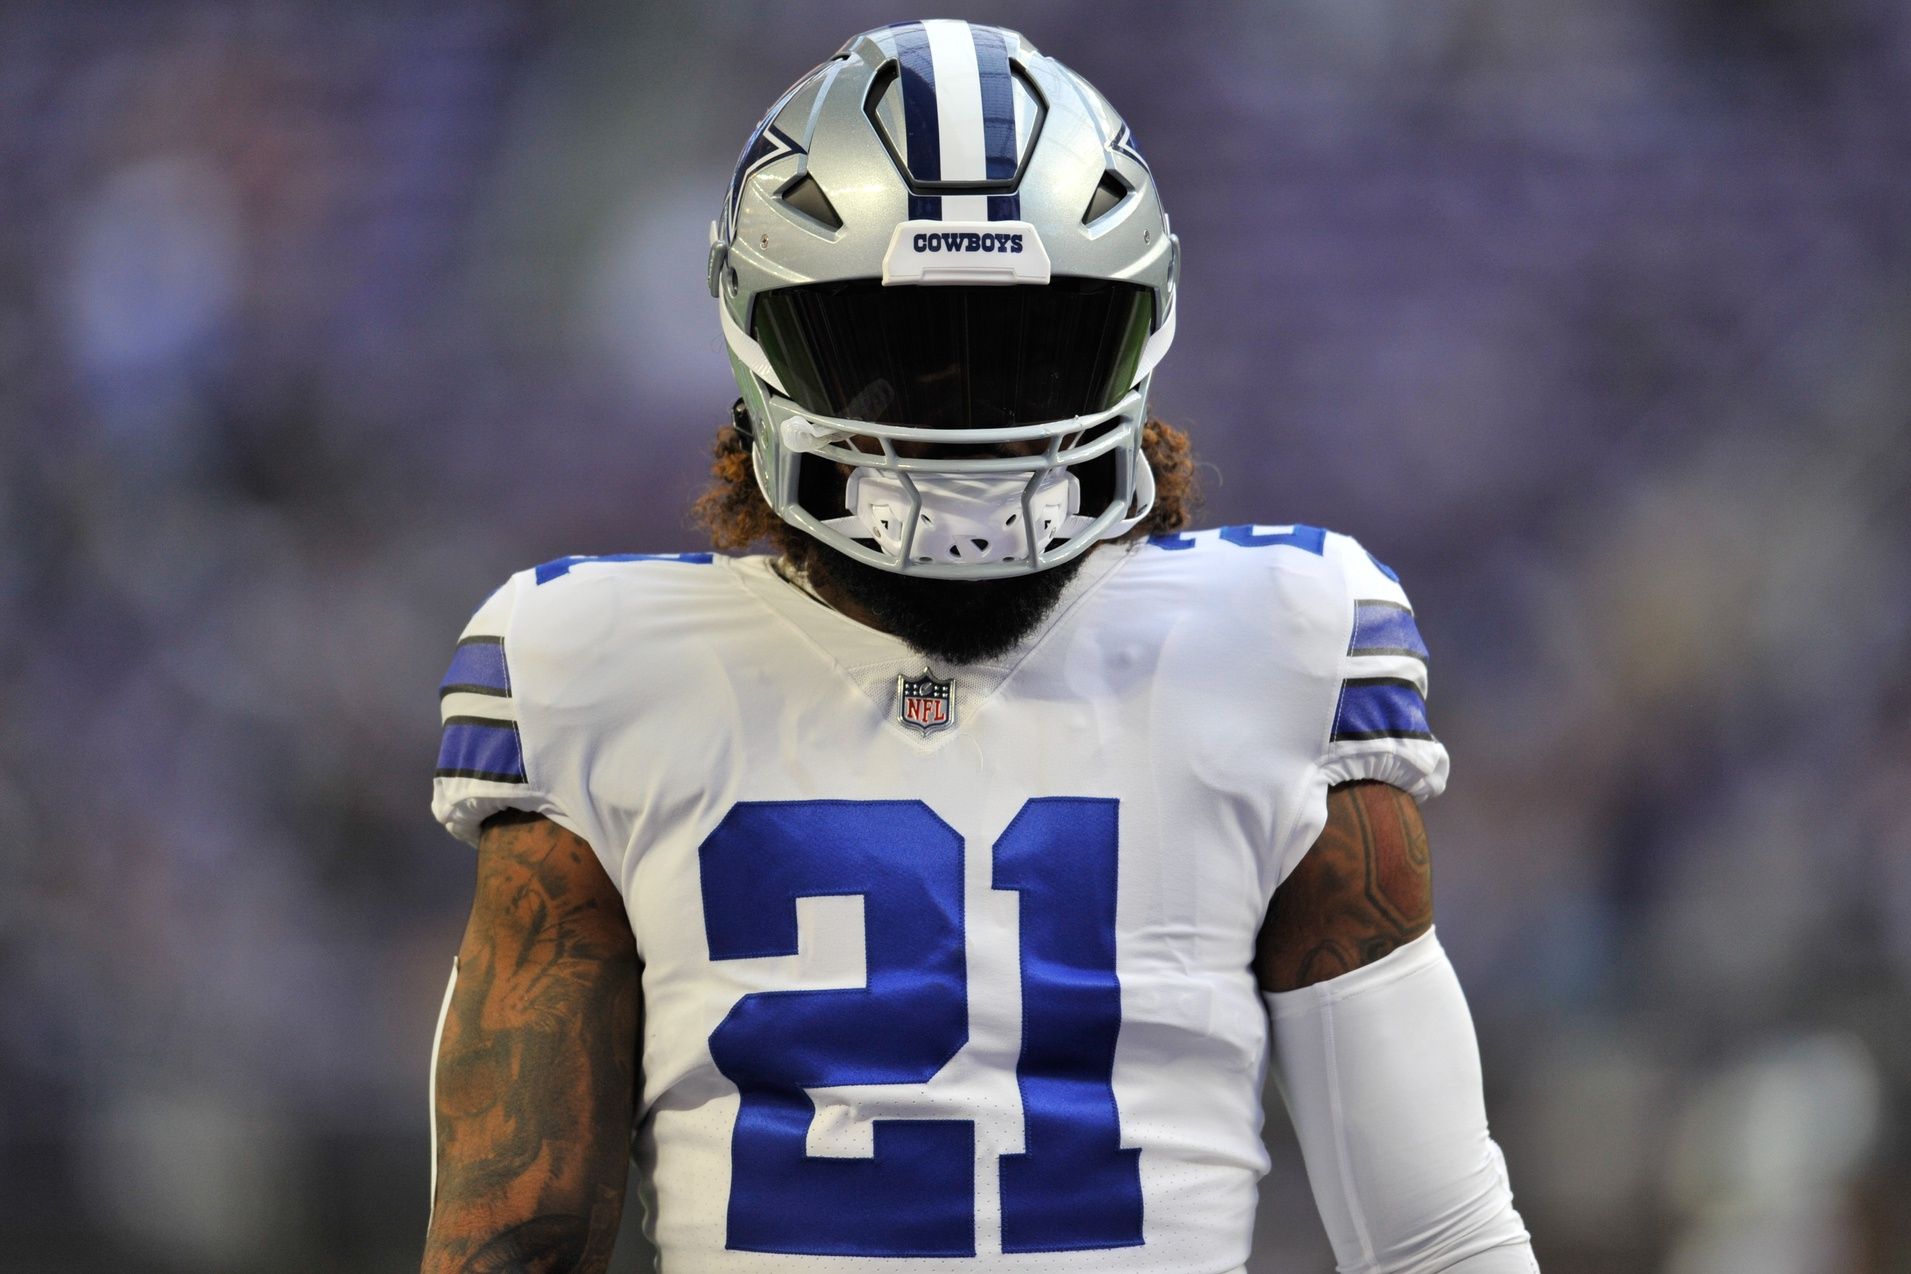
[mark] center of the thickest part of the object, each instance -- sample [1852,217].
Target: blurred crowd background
[1591,317]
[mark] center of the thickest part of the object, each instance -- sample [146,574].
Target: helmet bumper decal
[930,252]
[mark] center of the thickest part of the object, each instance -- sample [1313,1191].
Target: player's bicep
[544,909]
[1363,889]
[536,1062]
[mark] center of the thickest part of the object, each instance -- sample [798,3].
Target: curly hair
[737,516]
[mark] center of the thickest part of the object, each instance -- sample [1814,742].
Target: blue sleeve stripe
[480,748]
[1380,708]
[477,667]
[1385,628]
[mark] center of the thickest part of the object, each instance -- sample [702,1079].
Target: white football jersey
[951,974]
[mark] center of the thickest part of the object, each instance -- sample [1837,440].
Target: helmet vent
[804,195]
[1109,193]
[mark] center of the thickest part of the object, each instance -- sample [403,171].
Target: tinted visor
[955,357]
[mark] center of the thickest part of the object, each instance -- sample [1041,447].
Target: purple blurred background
[1591,317]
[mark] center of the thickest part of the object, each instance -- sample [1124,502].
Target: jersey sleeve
[484,761]
[1372,723]
[1379,729]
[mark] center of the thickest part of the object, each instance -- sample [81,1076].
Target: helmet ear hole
[807,197]
[1109,193]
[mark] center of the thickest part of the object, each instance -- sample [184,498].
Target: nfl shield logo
[926,703]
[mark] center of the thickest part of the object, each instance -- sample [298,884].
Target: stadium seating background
[1592,317]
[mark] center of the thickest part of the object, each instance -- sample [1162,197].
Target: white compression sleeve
[1381,1075]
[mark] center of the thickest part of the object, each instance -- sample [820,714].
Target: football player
[933,894]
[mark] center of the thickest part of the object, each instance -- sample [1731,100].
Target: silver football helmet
[943,270]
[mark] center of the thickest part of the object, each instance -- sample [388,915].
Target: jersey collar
[872,659]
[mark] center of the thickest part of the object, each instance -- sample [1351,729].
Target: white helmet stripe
[959,115]
[958,100]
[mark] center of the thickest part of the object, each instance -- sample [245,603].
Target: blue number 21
[1073,1186]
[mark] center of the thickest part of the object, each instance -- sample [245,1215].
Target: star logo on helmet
[766,145]
[1125,143]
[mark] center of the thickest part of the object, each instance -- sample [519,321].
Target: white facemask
[963,520]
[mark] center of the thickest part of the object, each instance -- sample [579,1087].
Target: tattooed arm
[537,1062]
[1365,888]
[1375,1054]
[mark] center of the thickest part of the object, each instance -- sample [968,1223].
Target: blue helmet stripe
[998,101]
[998,117]
[923,128]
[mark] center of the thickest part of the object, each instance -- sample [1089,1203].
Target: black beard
[946,621]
